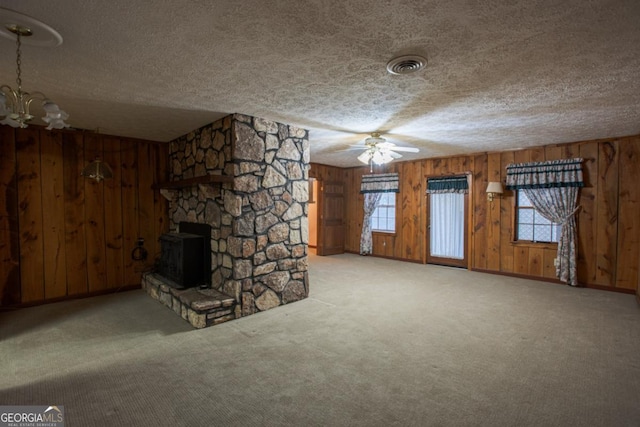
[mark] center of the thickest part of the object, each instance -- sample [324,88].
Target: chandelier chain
[18,62]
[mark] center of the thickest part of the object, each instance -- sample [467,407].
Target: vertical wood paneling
[587,225]
[522,156]
[30,214]
[536,154]
[413,229]
[548,267]
[493,215]
[607,213]
[146,218]
[75,236]
[129,185]
[64,235]
[43,195]
[95,218]
[469,167]
[354,208]
[114,256]
[553,152]
[480,231]
[458,165]
[55,260]
[608,235]
[521,259]
[535,262]
[628,251]
[9,231]
[398,244]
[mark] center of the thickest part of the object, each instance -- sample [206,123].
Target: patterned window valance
[553,173]
[380,183]
[449,184]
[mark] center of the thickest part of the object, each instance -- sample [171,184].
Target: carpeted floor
[377,343]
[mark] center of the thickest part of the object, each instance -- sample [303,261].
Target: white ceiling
[500,75]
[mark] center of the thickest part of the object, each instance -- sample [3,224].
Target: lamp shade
[97,170]
[494,187]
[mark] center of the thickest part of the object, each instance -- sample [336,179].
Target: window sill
[542,245]
[388,233]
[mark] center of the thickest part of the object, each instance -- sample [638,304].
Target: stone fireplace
[258,218]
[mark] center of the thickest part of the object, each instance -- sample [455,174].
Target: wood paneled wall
[608,221]
[62,235]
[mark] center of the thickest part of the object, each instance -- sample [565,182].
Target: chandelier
[15,103]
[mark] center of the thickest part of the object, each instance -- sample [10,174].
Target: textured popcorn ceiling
[501,74]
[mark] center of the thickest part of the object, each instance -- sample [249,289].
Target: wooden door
[434,254]
[331,223]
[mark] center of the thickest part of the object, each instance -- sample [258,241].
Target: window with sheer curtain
[446,216]
[446,230]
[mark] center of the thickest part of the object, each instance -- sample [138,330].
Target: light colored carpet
[377,343]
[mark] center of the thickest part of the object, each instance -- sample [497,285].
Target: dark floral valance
[449,184]
[380,183]
[550,174]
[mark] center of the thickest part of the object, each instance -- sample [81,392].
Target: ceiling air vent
[406,64]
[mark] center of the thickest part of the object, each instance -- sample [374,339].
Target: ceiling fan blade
[358,147]
[386,145]
[394,154]
[406,149]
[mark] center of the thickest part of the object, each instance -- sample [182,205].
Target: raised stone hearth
[200,307]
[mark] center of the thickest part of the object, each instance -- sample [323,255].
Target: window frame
[515,222]
[395,215]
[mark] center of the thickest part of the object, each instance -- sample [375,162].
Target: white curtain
[447,225]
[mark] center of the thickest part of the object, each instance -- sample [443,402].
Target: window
[530,225]
[384,217]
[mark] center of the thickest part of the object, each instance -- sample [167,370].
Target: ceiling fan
[378,151]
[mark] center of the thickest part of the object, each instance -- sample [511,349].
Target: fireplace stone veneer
[259,226]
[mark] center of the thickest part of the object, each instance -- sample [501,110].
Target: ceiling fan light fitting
[365,157]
